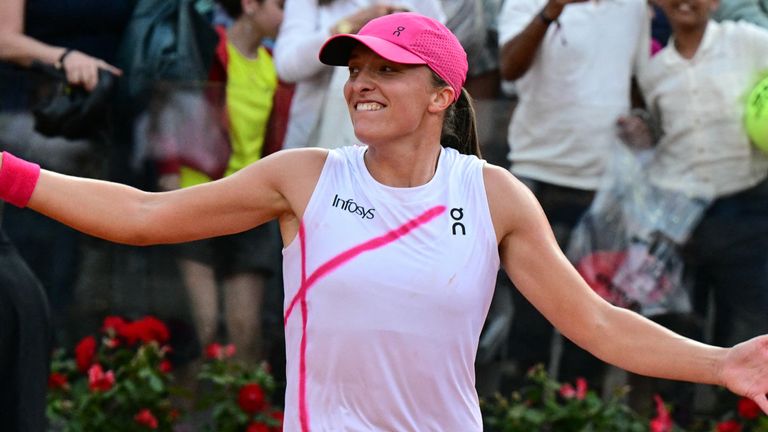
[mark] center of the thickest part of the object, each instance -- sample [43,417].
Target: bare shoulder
[307,158]
[297,165]
[294,174]
[511,203]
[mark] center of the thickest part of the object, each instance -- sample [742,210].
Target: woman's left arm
[538,268]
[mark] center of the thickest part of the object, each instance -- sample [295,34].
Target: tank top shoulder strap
[335,174]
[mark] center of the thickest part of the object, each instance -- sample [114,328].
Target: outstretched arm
[276,186]
[542,273]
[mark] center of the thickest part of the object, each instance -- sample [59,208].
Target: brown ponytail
[459,126]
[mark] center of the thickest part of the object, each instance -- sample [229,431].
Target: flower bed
[121,380]
[548,406]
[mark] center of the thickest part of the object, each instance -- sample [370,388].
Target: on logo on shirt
[457,214]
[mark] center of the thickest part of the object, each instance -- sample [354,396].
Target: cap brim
[337,49]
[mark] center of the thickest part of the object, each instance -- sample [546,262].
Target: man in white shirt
[572,63]
[696,88]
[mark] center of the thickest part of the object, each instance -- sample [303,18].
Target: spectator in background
[572,63]
[245,260]
[753,11]
[660,30]
[474,23]
[318,113]
[695,88]
[55,34]
[78,38]
[25,343]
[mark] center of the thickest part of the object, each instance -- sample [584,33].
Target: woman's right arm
[276,186]
[16,47]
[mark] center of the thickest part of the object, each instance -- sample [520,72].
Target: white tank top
[386,292]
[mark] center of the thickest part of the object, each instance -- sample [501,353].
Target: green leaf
[156,383]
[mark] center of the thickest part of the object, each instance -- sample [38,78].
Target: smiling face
[389,101]
[685,15]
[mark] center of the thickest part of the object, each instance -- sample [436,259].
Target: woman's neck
[245,37]
[403,166]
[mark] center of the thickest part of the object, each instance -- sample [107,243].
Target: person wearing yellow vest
[238,264]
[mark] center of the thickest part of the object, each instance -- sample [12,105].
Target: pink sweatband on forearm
[17,179]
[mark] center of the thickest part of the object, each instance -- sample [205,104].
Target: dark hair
[459,126]
[233,8]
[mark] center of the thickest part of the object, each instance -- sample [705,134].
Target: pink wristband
[17,179]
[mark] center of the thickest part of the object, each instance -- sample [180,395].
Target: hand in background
[82,69]
[554,8]
[635,132]
[353,23]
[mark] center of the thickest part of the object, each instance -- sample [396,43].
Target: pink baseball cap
[407,38]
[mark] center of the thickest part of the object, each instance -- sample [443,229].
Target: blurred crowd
[166,94]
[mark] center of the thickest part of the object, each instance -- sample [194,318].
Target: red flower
[581,388]
[173,415]
[113,325]
[567,391]
[749,409]
[580,392]
[84,352]
[213,351]
[165,366]
[729,426]
[98,380]
[57,381]
[663,421]
[216,351]
[145,418]
[257,427]
[154,330]
[251,398]
[147,329]
[277,415]
[229,350]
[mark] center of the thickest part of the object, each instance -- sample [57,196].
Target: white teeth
[369,106]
